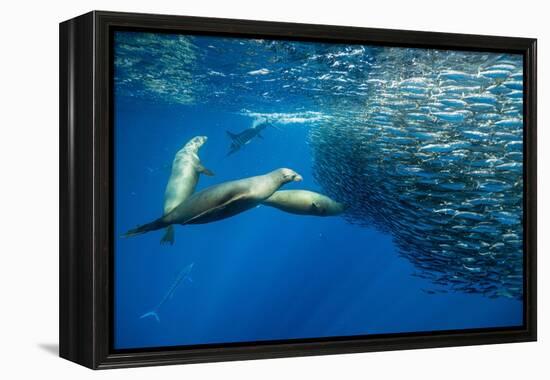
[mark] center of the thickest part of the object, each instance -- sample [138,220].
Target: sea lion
[186,169]
[222,201]
[304,202]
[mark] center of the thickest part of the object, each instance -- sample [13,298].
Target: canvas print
[285,190]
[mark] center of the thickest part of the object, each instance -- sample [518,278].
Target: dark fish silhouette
[238,140]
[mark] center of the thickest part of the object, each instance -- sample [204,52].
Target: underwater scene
[269,190]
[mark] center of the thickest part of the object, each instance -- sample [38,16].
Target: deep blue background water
[264,274]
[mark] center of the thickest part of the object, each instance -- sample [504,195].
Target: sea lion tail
[155,225]
[168,237]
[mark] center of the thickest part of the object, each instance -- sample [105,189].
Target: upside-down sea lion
[304,202]
[222,201]
[186,169]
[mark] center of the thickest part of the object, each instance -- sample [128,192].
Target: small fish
[482,98]
[514,84]
[469,215]
[482,107]
[259,72]
[508,67]
[516,123]
[495,74]
[456,116]
[456,75]
[455,103]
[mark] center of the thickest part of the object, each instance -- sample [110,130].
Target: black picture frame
[86,195]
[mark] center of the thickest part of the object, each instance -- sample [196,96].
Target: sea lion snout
[199,141]
[304,202]
[290,175]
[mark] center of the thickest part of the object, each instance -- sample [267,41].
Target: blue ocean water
[264,274]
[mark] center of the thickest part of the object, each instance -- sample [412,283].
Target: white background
[29,187]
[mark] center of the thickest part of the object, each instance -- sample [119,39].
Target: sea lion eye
[290,175]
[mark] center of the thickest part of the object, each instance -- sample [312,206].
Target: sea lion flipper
[168,237]
[205,171]
[315,209]
[153,226]
[214,209]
